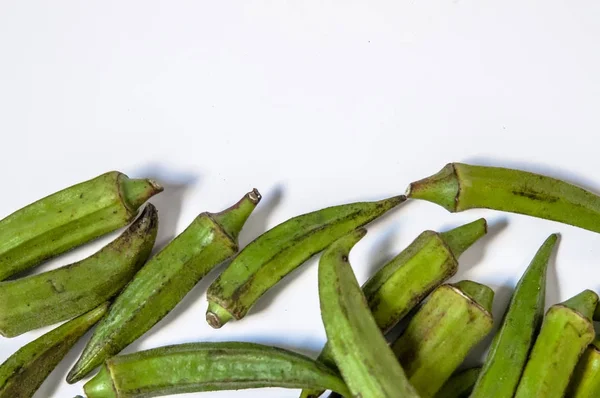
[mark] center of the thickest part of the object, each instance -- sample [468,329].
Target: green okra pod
[566,332]
[279,251]
[359,348]
[44,299]
[436,341]
[23,373]
[69,218]
[585,382]
[404,281]
[163,282]
[509,351]
[459,187]
[199,367]
[460,384]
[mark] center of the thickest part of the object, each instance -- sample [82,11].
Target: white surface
[315,103]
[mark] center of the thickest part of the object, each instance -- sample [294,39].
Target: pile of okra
[125,292]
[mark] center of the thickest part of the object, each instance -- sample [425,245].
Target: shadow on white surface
[383,250]
[259,221]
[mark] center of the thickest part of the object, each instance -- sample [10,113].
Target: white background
[315,103]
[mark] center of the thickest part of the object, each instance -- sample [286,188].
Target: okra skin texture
[197,367]
[511,346]
[566,332]
[23,372]
[163,282]
[403,282]
[460,384]
[279,251]
[441,334]
[459,187]
[359,349]
[44,299]
[69,218]
[586,379]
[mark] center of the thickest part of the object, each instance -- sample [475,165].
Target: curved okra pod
[199,367]
[279,251]
[359,348]
[509,351]
[460,384]
[54,296]
[23,373]
[566,332]
[403,282]
[586,379]
[163,282]
[459,187]
[436,341]
[69,218]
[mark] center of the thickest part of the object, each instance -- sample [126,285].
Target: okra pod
[23,372]
[359,348]
[436,341]
[199,367]
[279,251]
[566,332]
[69,218]
[586,379]
[459,187]
[164,281]
[460,384]
[509,351]
[63,293]
[403,282]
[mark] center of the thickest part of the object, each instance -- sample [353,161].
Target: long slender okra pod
[359,348]
[460,384]
[585,382]
[23,373]
[436,341]
[279,251]
[198,367]
[509,351]
[566,332]
[157,288]
[403,282]
[63,293]
[460,187]
[69,218]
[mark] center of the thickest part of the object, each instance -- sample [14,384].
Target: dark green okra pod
[163,282]
[199,367]
[459,187]
[279,251]
[566,332]
[359,348]
[403,282]
[69,218]
[23,373]
[585,382]
[460,384]
[50,297]
[436,341]
[509,351]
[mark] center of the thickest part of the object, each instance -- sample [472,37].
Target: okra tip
[441,188]
[584,303]
[461,238]
[136,191]
[233,219]
[217,316]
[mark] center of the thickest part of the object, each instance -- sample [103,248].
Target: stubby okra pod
[459,187]
[44,299]
[585,382]
[436,341]
[509,351]
[279,251]
[359,348]
[460,384]
[566,332]
[69,218]
[163,282]
[23,373]
[403,282]
[199,367]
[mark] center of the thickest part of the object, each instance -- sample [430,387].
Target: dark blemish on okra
[536,196]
